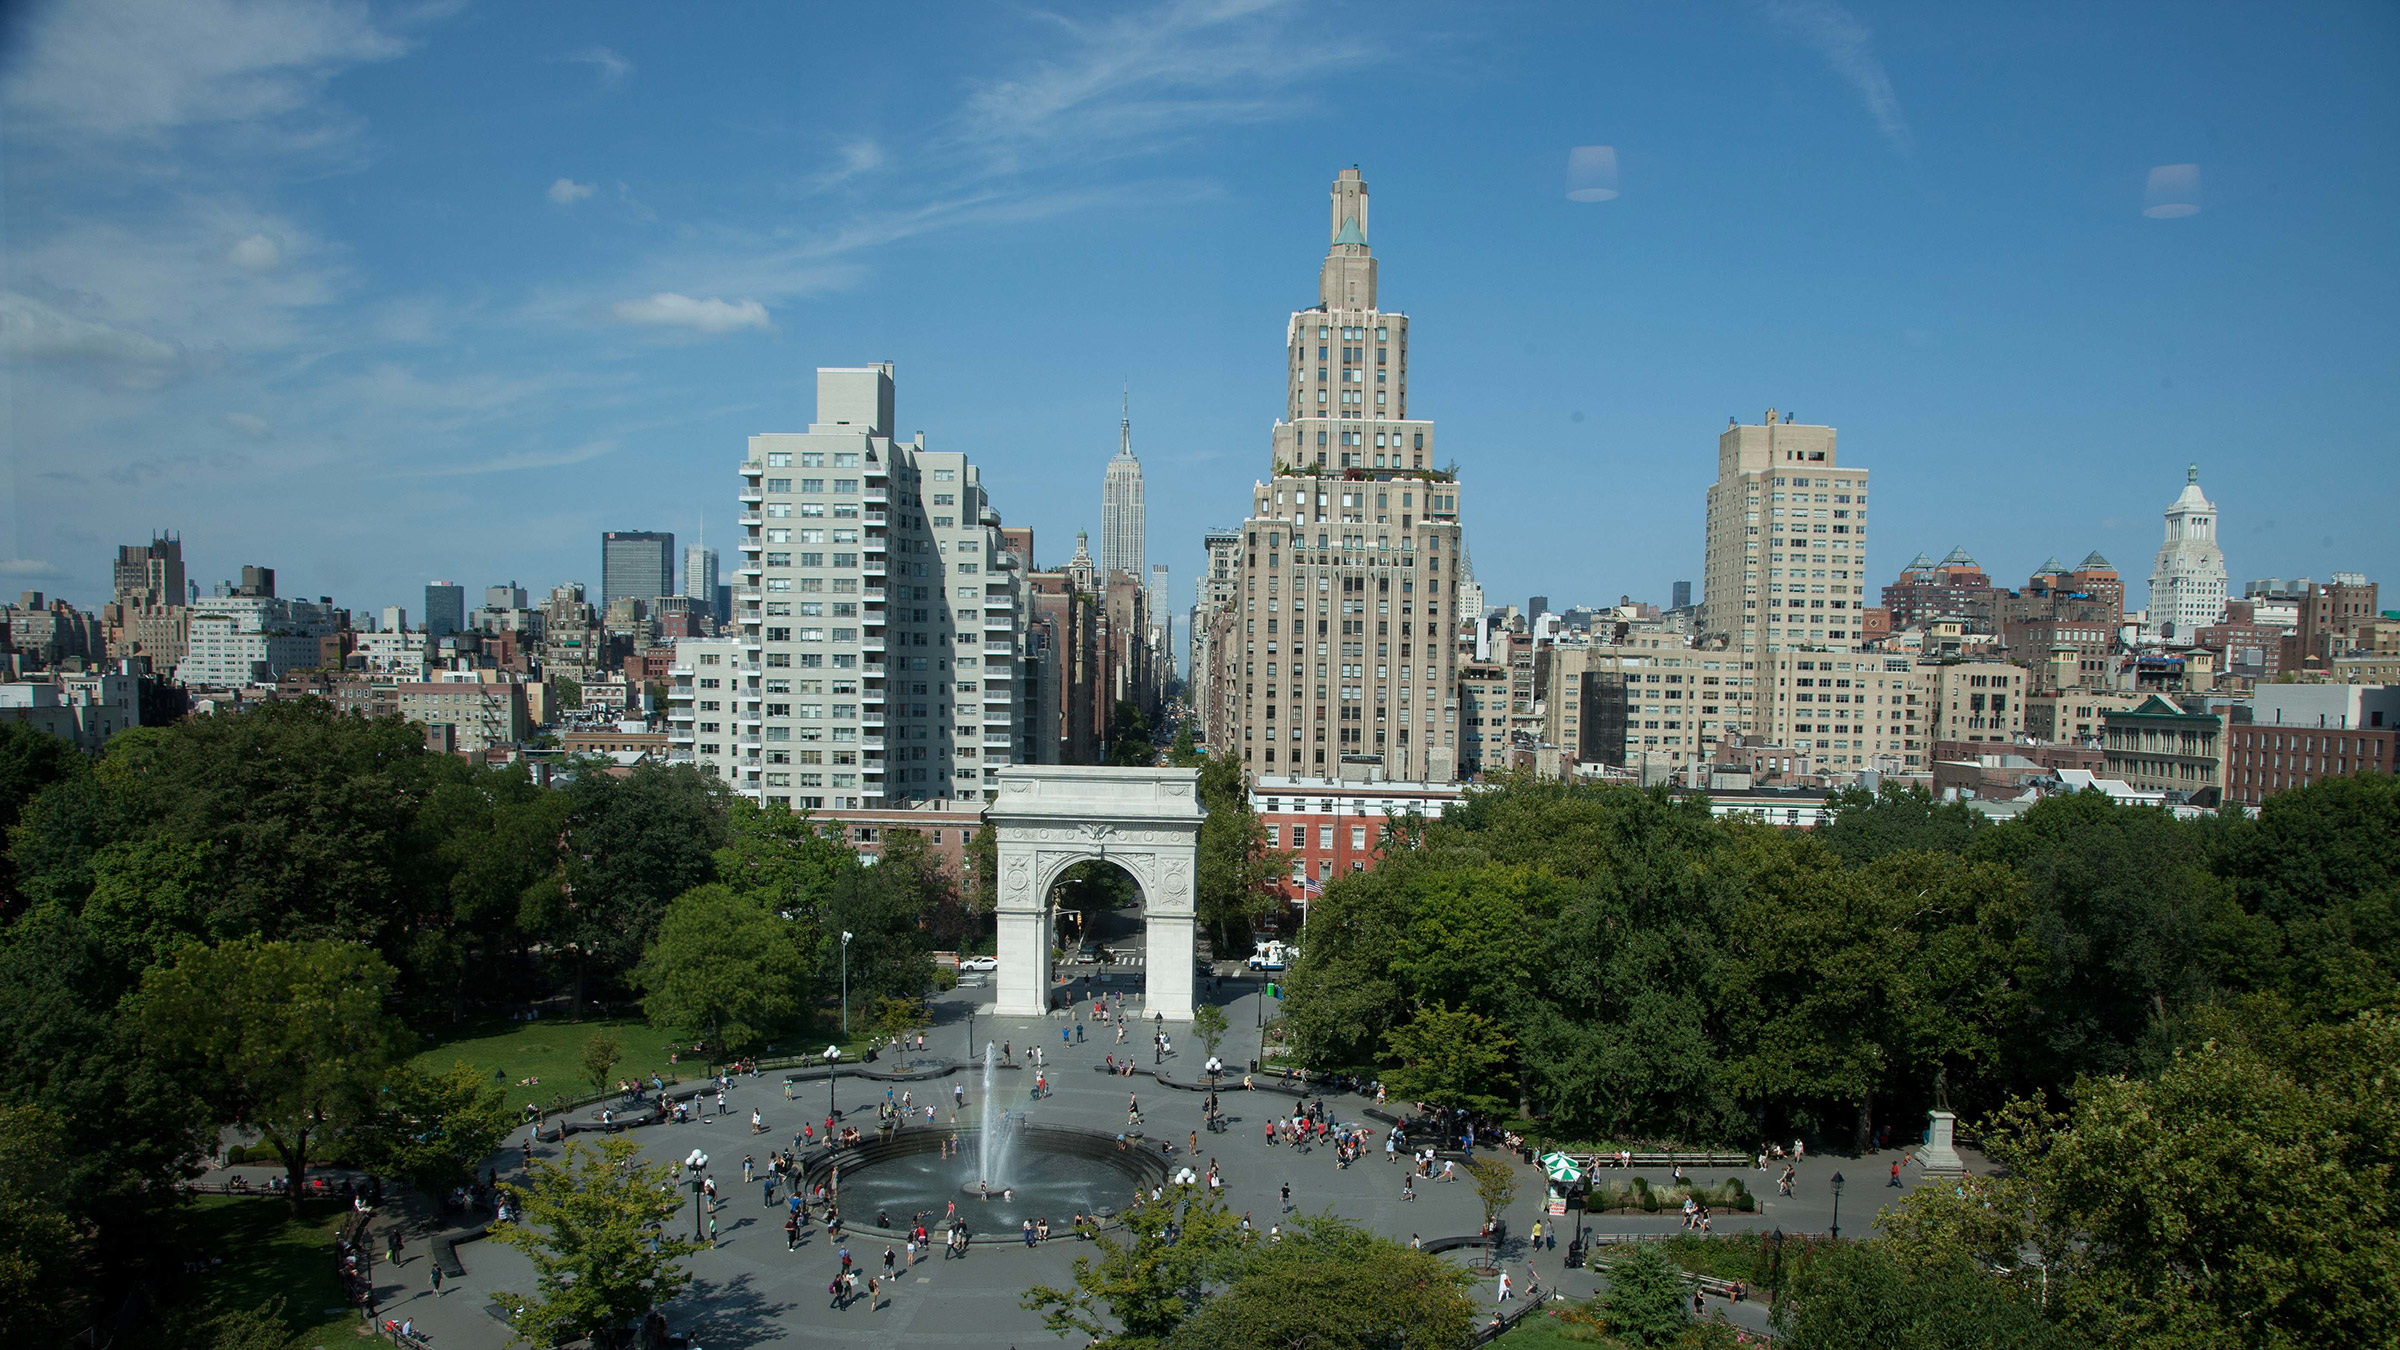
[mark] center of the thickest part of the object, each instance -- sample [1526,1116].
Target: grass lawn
[552,1051]
[270,1253]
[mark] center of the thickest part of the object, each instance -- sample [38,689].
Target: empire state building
[1122,522]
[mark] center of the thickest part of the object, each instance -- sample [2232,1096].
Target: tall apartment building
[1784,570]
[2187,580]
[1212,593]
[1123,518]
[880,610]
[1336,650]
[445,608]
[241,639]
[148,613]
[636,565]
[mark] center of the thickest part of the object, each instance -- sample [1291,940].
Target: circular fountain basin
[1055,1173]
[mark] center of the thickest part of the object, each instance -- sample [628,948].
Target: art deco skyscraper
[1122,518]
[1332,652]
[2187,581]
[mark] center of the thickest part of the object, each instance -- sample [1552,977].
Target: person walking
[1287,1197]
[1507,1290]
[791,1233]
[437,1279]
[1895,1173]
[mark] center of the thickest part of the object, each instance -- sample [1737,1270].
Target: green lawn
[269,1253]
[552,1051]
[509,1052]
[1542,1332]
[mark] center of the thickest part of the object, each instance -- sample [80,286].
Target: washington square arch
[1047,819]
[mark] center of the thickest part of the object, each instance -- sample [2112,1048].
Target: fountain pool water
[1034,1171]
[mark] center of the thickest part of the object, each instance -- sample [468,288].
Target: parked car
[980,963]
[1087,953]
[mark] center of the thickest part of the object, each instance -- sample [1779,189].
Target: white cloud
[1139,81]
[711,315]
[567,192]
[33,331]
[1848,46]
[611,67]
[30,568]
[258,253]
[248,424]
[528,459]
[120,68]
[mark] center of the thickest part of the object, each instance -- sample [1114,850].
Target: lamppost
[694,1165]
[833,1057]
[1837,1204]
[845,983]
[1775,1272]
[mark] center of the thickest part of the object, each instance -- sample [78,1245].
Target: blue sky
[380,294]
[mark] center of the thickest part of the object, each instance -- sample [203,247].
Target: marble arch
[1050,817]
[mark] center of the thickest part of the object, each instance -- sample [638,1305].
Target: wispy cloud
[30,569]
[611,68]
[1849,47]
[528,459]
[35,332]
[711,315]
[1137,82]
[567,192]
[122,68]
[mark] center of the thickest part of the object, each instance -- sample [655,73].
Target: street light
[1837,1204]
[845,983]
[833,1056]
[695,1165]
[1775,1272]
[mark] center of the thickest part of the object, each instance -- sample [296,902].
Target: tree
[566,693]
[724,966]
[595,1225]
[40,1246]
[633,845]
[1448,1058]
[1645,1303]
[290,1037]
[1235,884]
[1185,752]
[30,760]
[980,887]
[1856,1294]
[150,897]
[1495,1187]
[879,907]
[897,1019]
[601,1053]
[784,858]
[1332,1286]
[1143,1281]
[1129,737]
[433,1130]
[2206,1206]
[1208,1023]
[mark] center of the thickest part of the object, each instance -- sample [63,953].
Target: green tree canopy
[290,1037]
[597,1225]
[433,1130]
[1330,1285]
[1449,1057]
[727,967]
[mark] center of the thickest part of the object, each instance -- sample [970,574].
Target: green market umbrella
[1561,1168]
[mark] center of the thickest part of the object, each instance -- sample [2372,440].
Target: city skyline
[1949,283]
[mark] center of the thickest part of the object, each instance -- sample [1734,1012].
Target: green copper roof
[1350,233]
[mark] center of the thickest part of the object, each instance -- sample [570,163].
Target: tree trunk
[1866,1123]
[295,1165]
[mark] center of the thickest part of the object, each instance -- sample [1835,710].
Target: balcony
[679,714]
[877,518]
[752,518]
[871,742]
[871,720]
[747,592]
[751,494]
[679,672]
[1004,722]
[873,642]
[873,567]
[991,648]
[747,740]
[876,543]
[879,496]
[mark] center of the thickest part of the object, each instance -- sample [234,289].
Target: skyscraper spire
[1124,522]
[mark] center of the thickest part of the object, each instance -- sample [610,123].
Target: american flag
[1311,886]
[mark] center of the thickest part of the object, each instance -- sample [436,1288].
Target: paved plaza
[752,1292]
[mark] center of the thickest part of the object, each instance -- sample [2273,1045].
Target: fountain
[1009,1168]
[997,1136]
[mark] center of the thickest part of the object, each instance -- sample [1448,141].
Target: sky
[378,294]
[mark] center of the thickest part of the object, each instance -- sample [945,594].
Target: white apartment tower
[1332,653]
[879,620]
[1785,572]
[1122,518]
[2187,581]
